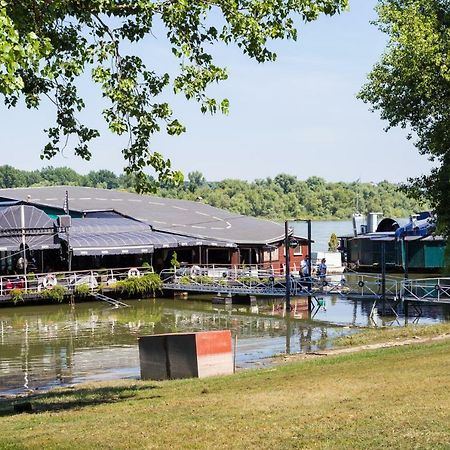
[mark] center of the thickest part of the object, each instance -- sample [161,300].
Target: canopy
[26,223]
[120,235]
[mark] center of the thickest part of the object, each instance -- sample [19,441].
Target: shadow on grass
[59,400]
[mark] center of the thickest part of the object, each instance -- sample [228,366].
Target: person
[305,273]
[21,264]
[305,267]
[322,270]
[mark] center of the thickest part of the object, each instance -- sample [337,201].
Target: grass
[379,335]
[393,398]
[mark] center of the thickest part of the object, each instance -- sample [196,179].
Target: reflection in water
[46,346]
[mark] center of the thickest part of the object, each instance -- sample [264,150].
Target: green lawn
[392,398]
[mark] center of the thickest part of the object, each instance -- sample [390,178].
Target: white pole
[234,354]
[24,253]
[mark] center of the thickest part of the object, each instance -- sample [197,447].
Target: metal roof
[163,214]
[120,235]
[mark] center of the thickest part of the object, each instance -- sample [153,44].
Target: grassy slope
[396,398]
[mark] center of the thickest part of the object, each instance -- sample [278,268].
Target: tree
[333,243]
[60,176]
[410,86]
[103,178]
[196,180]
[47,45]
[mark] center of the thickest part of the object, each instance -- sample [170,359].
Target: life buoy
[133,272]
[49,281]
[361,283]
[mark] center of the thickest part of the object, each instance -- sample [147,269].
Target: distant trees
[103,178]
[279,198]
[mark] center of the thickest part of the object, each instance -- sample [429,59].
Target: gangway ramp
[427,290]
[109,300]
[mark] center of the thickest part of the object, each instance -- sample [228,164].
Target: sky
[298,115]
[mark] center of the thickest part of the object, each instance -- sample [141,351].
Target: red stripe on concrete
[213,342]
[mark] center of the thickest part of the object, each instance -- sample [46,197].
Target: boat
[411,245]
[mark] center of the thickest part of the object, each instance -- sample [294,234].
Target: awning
[118,236]
[167,240]
[35,242]
[25,222]
[108,236]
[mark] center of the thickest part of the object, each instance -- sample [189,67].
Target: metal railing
[426,290]
[239,280]
[94,279]
[370,285]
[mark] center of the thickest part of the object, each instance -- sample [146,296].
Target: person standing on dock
[305,267]
[322,270]
[305,279]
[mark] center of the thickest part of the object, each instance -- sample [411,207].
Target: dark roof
[163,214]
[120,235]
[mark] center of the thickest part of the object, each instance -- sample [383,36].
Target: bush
[16,295]
[248,280]
[204,279]
[56,293]
[148,284]
[185,280]
[82,290]
[174,261]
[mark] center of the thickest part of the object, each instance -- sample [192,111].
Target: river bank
[368,399]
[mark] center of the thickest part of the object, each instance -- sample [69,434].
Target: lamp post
[287,246]
[288,270]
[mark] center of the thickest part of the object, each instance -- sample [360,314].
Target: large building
[110,228]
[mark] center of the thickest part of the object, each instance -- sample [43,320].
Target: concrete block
[185,355]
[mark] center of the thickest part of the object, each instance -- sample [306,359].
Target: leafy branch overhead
[47,45]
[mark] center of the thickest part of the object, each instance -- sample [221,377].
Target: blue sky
[298,115]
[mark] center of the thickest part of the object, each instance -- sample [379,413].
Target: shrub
[82,290]
[204,279]
[16,295]
[148,284]
[185,279]
[56,293]
[248,280]
[174,261]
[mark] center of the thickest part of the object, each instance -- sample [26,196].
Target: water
[47,346]
[321,231]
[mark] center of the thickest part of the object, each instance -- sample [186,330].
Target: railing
[427,290]
[236,270]
[245,279]
[94,279]
[238,281]
[370,285]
